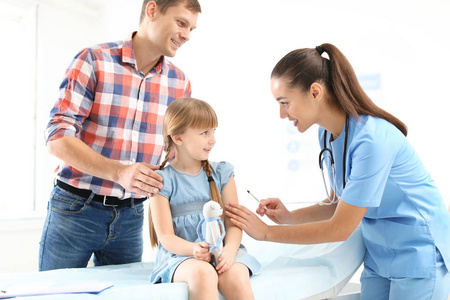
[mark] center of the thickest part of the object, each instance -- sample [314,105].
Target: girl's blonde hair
[182,114]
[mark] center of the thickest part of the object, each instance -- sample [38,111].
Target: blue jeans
[76,228]
[375,287]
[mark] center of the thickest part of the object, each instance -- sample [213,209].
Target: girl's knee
[206,273]
[201,278]
[237,278]
[195,272]
[201,275]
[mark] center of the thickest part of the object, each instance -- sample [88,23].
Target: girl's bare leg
[201,278]
[235,283]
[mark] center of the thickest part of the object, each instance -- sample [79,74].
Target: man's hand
[140,178]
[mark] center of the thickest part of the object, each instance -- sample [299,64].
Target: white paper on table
[48,288]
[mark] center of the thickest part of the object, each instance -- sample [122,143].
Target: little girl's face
[198,143]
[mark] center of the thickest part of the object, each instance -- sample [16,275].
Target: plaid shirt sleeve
[76,98]
[115,109]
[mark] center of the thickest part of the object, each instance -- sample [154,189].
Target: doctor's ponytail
[302,67]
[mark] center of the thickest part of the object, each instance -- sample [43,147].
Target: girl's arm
[233,234]
[162,222]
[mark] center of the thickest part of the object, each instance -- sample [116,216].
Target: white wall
[62,30]
[240,42]
[229,60]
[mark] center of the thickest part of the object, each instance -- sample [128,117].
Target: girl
[378,181]
[189,182]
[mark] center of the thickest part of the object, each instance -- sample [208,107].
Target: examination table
[288,272]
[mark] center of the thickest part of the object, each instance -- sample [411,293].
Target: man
[106,127]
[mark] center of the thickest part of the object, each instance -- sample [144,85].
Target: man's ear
[177,139]
[150,10]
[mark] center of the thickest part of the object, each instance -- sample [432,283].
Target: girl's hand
[226,260]
[244,219]
[276,211]
[201,252]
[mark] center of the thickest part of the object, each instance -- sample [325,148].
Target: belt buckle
[104,202]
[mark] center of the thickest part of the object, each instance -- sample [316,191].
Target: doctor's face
[296,105]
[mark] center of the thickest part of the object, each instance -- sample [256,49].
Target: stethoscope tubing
[344,156]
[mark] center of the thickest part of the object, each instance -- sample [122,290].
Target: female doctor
[376,180]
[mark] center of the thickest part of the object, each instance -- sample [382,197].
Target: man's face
[171,30]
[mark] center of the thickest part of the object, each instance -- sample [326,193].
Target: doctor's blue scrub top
[406,218]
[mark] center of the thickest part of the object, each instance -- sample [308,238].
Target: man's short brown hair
[163,5]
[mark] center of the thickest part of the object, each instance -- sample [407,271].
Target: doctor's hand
[246,220]
[275,210]
[201,252]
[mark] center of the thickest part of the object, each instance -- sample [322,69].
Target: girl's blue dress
[187,194]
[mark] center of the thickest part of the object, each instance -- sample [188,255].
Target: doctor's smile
[294,121]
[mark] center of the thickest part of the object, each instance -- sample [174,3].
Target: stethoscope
[322,157]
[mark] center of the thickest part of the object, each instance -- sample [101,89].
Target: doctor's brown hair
[302,67]
[182,114]
[163,5]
